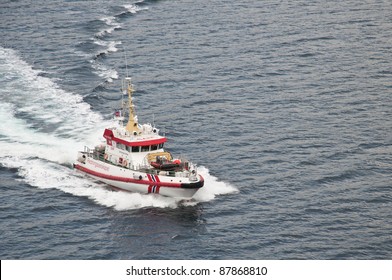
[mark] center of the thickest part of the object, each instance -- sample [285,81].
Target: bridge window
[120,146]
[145,148]
[135,149]
[154,147]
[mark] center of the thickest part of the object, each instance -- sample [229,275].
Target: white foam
[133,8]
[41,98]
[104,71]
[112,24]
[21,141]
[100,69]
[212,186]
[110,46]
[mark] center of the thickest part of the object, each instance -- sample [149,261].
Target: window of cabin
[145,148]
[161,146]
[135,149]
[154,147]
[120,146]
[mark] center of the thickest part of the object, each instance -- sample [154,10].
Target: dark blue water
[284,105]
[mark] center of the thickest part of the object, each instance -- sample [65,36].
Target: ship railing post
[87,151]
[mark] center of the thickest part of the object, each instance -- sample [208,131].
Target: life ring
[106,156]
[125,162]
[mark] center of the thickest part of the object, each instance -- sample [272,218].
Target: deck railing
[145,167]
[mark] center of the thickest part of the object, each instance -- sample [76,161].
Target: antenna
[126,63]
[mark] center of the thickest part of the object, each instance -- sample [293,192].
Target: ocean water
[286,107]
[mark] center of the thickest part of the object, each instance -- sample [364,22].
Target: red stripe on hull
[125,179]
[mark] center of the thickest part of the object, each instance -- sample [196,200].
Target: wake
[44,157]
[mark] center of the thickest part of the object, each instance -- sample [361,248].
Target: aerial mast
[132,125]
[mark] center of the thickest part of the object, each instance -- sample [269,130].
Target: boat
[132,157]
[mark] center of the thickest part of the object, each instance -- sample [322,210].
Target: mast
[132,125]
